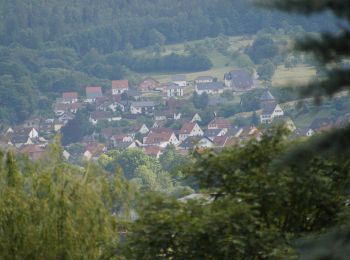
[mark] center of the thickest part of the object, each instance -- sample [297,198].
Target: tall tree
[51,210]
[331,50]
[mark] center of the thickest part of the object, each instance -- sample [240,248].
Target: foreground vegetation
[254,208]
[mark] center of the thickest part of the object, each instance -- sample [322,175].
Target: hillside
[47,47]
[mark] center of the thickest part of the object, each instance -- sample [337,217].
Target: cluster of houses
[153,140]
[270,108]
[121,102]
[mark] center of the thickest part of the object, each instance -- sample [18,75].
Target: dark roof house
[239,80]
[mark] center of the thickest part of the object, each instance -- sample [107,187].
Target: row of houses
[237,80]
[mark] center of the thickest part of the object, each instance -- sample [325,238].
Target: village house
[141,129]
[219,123]
[97,116]
[209,88]
[18,140]
[212,133]
[92,93]
[113,104]
[108,132]
[190,129]
[270,108]
[33,122]
[267,98]
[194,142]
[74,107]
[46,127]
[142,107]
[220,141]
[93,151]
[148,84]
[249,133]
[61,108]
[239,80]
[127,145]
[235,131]
[66,117]
[161,137]
[134,94]
[123,141]
[179,80]
[167,114]
[34,152]
[204,79]
[159,123]
[195,118]
[28,132]
[119,86]
[9,130]
[154,151]
[69,97]
[174,90]
[319,125]
[269,112]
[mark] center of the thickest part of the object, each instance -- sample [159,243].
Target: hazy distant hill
[111,25]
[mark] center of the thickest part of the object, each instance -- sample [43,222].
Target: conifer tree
[332,50]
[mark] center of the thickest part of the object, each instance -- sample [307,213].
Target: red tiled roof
[149,79]
[158,137]
[70,95]
[95,149]
[120,84]
[161,130]
[187,128]
[221,122]
[120,137]
[152,150]
[220,141]
[232,141]
[101,100]
[31,148]
[93,90]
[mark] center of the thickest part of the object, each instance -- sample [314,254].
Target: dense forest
[48,47]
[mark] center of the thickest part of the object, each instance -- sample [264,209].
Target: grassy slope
[295,76]
[223,64]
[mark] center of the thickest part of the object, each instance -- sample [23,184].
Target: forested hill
[50,46]
[110,25]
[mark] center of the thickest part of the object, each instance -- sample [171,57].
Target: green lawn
[299,75]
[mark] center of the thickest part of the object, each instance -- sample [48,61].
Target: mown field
[223,63]
[296,76]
